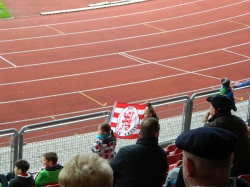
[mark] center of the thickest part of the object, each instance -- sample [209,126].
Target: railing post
[188,115]
[248,112]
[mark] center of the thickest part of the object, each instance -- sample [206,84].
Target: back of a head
[210,143]
[225,82]
[221,103]
[105,127]
[51,156]
[23,165]
[86,170]
[149,127]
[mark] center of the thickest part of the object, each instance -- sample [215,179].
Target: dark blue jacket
[141,165]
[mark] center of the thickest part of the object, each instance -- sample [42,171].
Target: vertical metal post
[248,112]
[11,151]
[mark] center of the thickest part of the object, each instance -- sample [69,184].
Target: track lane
[185,10]
[126,44]
[83,82]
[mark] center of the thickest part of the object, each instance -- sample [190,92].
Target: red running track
[71,64]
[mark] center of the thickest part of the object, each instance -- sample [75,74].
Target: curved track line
[124,67]
[118,85]
[125,26]
[110,17]
[224,48]
[107,107]
[127,38]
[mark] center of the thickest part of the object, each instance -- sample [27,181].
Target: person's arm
[117,163]
[246,83]
[96,146]
[39,182]
[11,183]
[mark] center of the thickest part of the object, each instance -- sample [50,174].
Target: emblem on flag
[126,119]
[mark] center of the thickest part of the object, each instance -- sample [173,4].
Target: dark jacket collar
[219,115]
[54,167]
[147,141]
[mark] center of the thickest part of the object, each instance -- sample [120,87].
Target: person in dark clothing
[142,164]
[207,158]
[221,117]
[22,178]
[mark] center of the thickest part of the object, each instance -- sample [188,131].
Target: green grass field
[4,13]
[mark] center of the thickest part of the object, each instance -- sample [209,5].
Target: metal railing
[76,134]
[9,148]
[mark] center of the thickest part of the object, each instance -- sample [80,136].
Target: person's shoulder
[241,182]
[54,168]
[238,118]
[13,181]
[128,147]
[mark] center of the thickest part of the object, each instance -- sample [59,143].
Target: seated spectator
[144,163]
[20,177]
[4,180]
[220,111]
[207,158]
[105,142]
[86,170]
[50,172]
[150,111]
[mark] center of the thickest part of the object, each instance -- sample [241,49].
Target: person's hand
[207,117]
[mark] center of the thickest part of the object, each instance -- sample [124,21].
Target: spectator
[220,111]
[86,170]
[150,111]
[144,163]
[227,90]
[49,173]
[21,177]
[105,142]
[207,158]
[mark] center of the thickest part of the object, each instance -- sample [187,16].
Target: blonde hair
[86,170]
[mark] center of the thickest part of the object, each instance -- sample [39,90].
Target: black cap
[221,102]
[211,143]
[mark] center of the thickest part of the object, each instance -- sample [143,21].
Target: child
[105,142]
[150,111]
[22,178]
[227,90]
[50,172]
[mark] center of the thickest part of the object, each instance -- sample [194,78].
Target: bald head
[150,128]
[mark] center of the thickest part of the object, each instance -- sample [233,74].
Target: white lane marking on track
[155,21]
[108,87]
[95,109]
[127,38]
[72,75]
[110,17]
[132,58]
[236,53]
[7,61]
[124,67]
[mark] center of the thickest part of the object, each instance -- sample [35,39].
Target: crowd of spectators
[213,155]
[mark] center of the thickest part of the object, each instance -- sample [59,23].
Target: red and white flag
[126,119]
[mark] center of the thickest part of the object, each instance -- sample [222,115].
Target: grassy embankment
[4,13]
